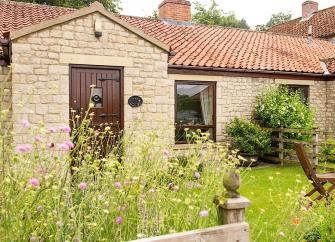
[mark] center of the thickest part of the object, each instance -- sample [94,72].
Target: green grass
[271,191]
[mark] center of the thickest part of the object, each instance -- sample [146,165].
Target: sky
[254,11]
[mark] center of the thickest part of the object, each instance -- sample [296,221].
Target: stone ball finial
[232,182]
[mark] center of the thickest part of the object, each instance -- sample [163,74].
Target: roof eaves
[94,7]
[214,69]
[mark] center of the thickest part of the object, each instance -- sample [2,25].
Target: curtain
[206,99]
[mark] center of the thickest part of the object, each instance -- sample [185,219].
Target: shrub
[248,137]
[278,107]
[328,151]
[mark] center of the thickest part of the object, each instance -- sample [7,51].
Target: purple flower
[197,175]
[52,130]
[39,208]
[118,185]
[66,129]
[25,123]
[34,182]
[121,208]
[69,144]
[33,239]
[83,186]
[38,138]
[119,220]
[23,148]
[203,213]
[63,147]
[166,153]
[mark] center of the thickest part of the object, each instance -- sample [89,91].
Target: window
[302,89]
[195,108]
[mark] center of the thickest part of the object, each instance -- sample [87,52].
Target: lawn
[272,191]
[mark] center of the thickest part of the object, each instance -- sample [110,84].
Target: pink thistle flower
[118,185]
[69,144]
[119,220]
[25,123]
[33,239]
[197,175]
[166,153]
[203,213]
[121,208]
[52,130]
[34,182]
[83,186]
[23,148]
[63,147]
[66,129]
[38,138]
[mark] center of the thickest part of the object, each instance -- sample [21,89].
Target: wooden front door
[103,88]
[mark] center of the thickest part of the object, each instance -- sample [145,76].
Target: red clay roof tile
[17,15]
[200,45]
[323,23]
[218,47]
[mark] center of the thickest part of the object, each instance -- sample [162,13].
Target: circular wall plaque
[135,101]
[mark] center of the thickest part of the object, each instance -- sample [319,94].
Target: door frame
[119,68]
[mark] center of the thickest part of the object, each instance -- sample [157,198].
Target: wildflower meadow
[57,187]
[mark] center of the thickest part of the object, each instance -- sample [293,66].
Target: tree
[215,16]
[275,19]
[111,5]
[154,15]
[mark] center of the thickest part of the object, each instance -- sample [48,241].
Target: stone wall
[318,101]
[5,98]
[41,73]
[330,111]
[236,98]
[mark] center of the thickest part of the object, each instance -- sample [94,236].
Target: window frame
[213,126]
[306,89]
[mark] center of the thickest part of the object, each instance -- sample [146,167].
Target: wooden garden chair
[318,180]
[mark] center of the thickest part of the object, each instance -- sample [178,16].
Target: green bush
[248,137]
[328,151]
[278,107]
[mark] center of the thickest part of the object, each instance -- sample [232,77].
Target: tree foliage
[111,5]
[154,15]
[275,19]
[215,16]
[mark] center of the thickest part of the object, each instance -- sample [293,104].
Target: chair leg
[310,193]
[330,189]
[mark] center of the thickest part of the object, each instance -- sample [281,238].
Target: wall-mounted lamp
[98,28]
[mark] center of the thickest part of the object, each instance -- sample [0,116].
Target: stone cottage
[160,74]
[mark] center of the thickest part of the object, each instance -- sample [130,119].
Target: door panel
[108,81]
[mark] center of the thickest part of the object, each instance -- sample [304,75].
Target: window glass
[194,104]
[195,109]
[302,90]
